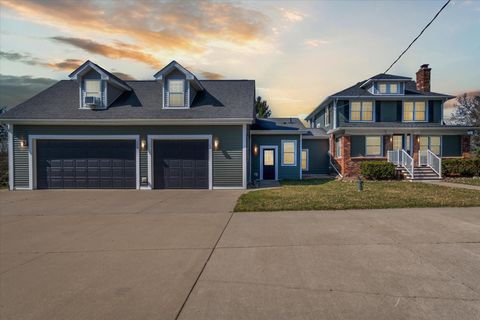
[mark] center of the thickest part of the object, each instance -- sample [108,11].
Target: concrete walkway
[450,184]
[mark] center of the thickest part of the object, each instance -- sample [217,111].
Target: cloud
[67,64]
[292,15]
[316,42]
[124,76]
[211,75]
[118,51]
[186,26]
[19,57]
[16,89]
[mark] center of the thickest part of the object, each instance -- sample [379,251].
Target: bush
[377,170]
[461,167]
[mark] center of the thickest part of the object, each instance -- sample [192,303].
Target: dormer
[180,86]
[98,88]
[385,84]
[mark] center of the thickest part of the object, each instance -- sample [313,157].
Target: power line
[425,28]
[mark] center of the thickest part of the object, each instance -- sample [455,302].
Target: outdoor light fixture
[255,150]
[23,142]
[143,144]
[216,143]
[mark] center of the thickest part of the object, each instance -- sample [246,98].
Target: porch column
[345,161]
[416,149]
[466,143]
[387,143]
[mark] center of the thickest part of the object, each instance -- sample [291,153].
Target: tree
[467,112]
[262,108]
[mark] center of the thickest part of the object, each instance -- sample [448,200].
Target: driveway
[168,255]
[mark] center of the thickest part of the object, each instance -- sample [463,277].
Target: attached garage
[85,164]
[181,163]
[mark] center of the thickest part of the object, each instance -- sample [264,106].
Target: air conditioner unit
[91,101]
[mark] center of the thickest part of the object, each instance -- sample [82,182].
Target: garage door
[180,164]
[79,164]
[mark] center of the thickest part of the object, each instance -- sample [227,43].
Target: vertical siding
[227,162]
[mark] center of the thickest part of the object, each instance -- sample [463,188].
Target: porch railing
[422,157]
[333,165]
[434,162]
[401,158]
[407,162]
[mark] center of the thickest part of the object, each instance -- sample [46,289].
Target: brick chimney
[423,78]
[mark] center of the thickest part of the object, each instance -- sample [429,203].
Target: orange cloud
[118,50]
[124,76]
[211,75]
[67,64]
[177,25]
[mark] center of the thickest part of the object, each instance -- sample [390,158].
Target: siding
[387,111]
[227,162]
[284,172]
[451,146]
[317,155]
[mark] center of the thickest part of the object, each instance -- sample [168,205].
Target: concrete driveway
[168,255]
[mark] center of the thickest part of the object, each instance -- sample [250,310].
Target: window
[434,143]
[268,157]
[289,153]
[382,88]
[338,147]
[414,111]
[327,116]
[92,88]
[397,142]
[393,88]
[176,93]
[373,146]
[305,159]
[361,111]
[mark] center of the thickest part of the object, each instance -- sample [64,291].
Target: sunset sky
[297,51]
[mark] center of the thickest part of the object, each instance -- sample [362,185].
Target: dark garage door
[180,164]
[79,164]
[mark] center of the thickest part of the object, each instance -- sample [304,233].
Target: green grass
[470,181]
[341,195]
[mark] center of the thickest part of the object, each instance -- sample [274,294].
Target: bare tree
[467,112]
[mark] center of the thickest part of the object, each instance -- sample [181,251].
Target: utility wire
[425,28]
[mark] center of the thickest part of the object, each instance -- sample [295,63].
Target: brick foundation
[466,144]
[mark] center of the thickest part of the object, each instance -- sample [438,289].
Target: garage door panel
[181,164]
[86,164]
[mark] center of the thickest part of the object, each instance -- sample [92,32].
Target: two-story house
[390,117]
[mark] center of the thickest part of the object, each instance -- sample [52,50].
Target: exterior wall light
[23,142]
[143,144]
[255,150]
[216,144]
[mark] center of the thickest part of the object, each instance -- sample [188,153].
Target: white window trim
[361,111]
[414,107]
[166,95]
[327,116]
[32,151]
[335,145]
[400,86]
[208,137]
[261,159]
[295,154]
[308,160]
[381,147]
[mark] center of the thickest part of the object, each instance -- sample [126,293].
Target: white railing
[333,165]
[434,162]
[422,157]
[393,156]
[407,162]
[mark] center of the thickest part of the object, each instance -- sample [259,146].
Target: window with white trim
[305,159]
[338,147]
[289,152]
[93,88]
[373,146]
[327,116]
[176,93]
[432,143]
[387,88]
[382,87]
[361,111]
[414,111]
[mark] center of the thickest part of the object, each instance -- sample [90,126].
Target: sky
[298,52]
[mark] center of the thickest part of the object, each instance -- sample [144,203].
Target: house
[390,117]
[98,131]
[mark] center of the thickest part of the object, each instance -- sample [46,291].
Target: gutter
[218,121]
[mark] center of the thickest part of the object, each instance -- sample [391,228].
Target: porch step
[420,173]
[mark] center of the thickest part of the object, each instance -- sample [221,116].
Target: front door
[397,142]
[268,164]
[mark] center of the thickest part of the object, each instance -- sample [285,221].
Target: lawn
[470,181]
[340,195]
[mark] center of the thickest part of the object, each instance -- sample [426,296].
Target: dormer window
[388,88]
[382,88]
[176,91]
[92,88]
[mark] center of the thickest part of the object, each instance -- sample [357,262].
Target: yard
[340,195]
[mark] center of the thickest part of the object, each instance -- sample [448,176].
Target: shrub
[377,170]
[461,167]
